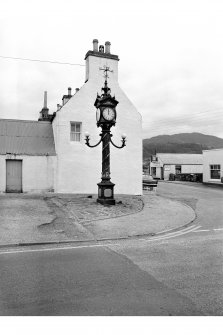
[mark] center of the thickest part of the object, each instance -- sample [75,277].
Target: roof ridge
[30,121]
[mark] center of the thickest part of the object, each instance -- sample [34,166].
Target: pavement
[59,218]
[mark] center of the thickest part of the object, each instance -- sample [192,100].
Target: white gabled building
[164,164]
[213,166]
[76,168]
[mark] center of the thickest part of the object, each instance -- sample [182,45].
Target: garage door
[13,176]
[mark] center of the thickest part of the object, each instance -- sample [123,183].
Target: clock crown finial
[106,90]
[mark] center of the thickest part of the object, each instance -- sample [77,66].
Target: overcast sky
[171,57]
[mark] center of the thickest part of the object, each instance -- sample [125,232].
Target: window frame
[153,171]
[75,136]
[178,169]
[215,167]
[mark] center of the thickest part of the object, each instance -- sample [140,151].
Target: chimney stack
[67,97]
[95,45]
[45,100]
[99,56]
[107,47]
[44,114]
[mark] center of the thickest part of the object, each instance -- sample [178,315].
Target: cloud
[170,58]
[181,100]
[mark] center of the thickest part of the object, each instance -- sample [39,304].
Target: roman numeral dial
[108,114]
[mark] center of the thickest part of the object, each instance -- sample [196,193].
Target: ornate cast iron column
[106,118]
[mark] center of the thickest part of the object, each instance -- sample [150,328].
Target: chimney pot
[95,45]
[69,90]
[76,89]
[101,48]
[107,47]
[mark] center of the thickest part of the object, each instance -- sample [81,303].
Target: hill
[192,143]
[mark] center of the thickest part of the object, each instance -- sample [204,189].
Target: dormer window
[75,131]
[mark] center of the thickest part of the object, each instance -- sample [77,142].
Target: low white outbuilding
[164,164]
[27,156]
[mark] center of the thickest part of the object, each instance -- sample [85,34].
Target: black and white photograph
[111,165]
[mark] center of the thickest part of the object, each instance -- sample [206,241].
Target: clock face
[98,114]
[108,114]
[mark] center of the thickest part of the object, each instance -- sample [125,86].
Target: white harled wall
[185,168]
[37,172]
[78,167]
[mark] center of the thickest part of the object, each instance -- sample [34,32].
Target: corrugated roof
[181,158]
[22,137]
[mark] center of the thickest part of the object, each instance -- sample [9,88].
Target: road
[178,273]
[190,263]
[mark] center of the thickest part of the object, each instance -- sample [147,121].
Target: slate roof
[22,137]
[179,159]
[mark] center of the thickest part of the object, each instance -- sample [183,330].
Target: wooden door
[162,173]
[14,176]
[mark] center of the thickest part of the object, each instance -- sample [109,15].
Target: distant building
[163,164]
[213,166]
[51,155]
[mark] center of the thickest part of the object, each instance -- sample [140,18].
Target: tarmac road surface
[179,273]
[189,261]
[82,281]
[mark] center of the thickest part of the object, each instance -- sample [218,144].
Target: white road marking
[171,235]
[198,231]
[218,229]
[50,249]
[193,228]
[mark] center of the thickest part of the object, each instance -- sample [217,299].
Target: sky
[171,57]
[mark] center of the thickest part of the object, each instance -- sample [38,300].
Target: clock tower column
[106,118]
[106,187]
[106,105]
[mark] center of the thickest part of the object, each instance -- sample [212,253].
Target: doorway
[13,176]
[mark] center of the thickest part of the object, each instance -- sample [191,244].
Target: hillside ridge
[192,143]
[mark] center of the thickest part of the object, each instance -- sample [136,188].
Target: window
[178,169]
[215,171]
[75,131]
[153,171]
[167,167]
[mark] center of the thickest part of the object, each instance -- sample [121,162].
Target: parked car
[148,181]
[172,176]
[193,177]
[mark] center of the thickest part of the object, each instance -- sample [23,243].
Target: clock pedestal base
[106,193]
